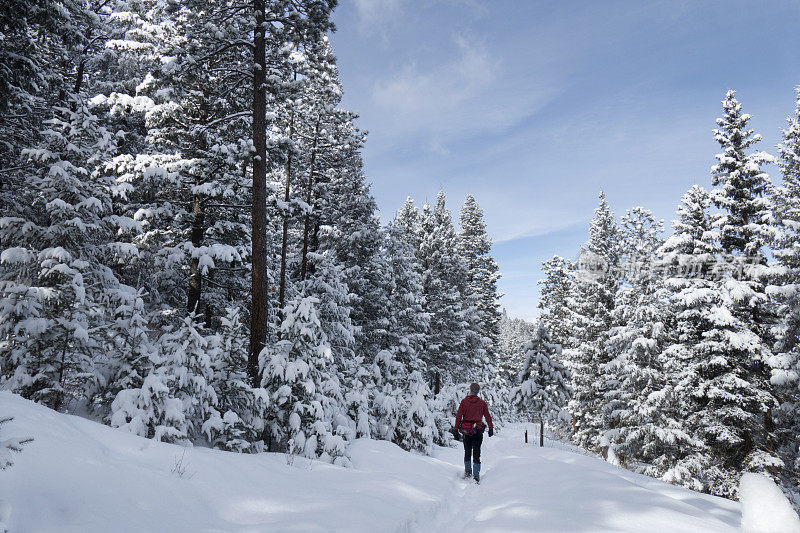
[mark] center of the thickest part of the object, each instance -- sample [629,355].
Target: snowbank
[80,476]
[764,507]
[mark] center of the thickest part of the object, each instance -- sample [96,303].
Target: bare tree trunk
[307,225]
[285,241]
[258,291]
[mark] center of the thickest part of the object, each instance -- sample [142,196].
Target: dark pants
[472,447]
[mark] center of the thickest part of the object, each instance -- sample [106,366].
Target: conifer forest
[190,252]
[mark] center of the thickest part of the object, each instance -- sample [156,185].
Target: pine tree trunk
[285,240]
[307,225]
[79,74]
[59,396]
[769,427]
[195,276]
[258,291]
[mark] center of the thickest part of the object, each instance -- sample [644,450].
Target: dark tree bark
[258,291]
[285,240]
[79,75]
[195,291]
[307,225]
[195,276]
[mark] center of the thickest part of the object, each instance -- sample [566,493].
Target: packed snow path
[527,488]
[80,476]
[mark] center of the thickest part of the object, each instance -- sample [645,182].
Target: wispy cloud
[533,228]
[442,88]
[374,16]
[463,95]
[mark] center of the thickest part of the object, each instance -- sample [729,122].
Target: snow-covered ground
[84,477]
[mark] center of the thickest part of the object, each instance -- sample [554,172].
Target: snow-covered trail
[80,476]
[527,488]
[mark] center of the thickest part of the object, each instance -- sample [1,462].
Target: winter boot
[476,472]
[467,469]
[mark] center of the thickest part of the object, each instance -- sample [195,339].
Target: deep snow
[764,507]
[81,476]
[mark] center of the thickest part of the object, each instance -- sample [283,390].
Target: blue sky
[535,106]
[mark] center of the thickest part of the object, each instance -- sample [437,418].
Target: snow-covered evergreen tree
[444,407]
[337,213]
[743,316]
[186,361]
[514,333]
[784,291]
[408,221]
[238,422]
[129,353]
[401,405]
[591,306]
[635,375]
[327,283]
[475,246]
[356,403]
[450,308]
[177,397]
[408,321]
[556,289]
[295,374]
[687,258]
[544,389]
[420,424]
[56,277]
[745,209]
[151,411]
[388,397]
[718,391]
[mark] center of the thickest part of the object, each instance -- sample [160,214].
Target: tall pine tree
[784,291]
[590,321]
[444,286]
[747,440]
[475,247]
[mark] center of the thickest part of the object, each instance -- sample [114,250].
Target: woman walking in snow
[469,422]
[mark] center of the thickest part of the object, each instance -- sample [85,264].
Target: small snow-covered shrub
[10,446]
[420,421]
[544,381]
[296,375]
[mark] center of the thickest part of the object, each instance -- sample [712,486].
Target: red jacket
[473,409]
